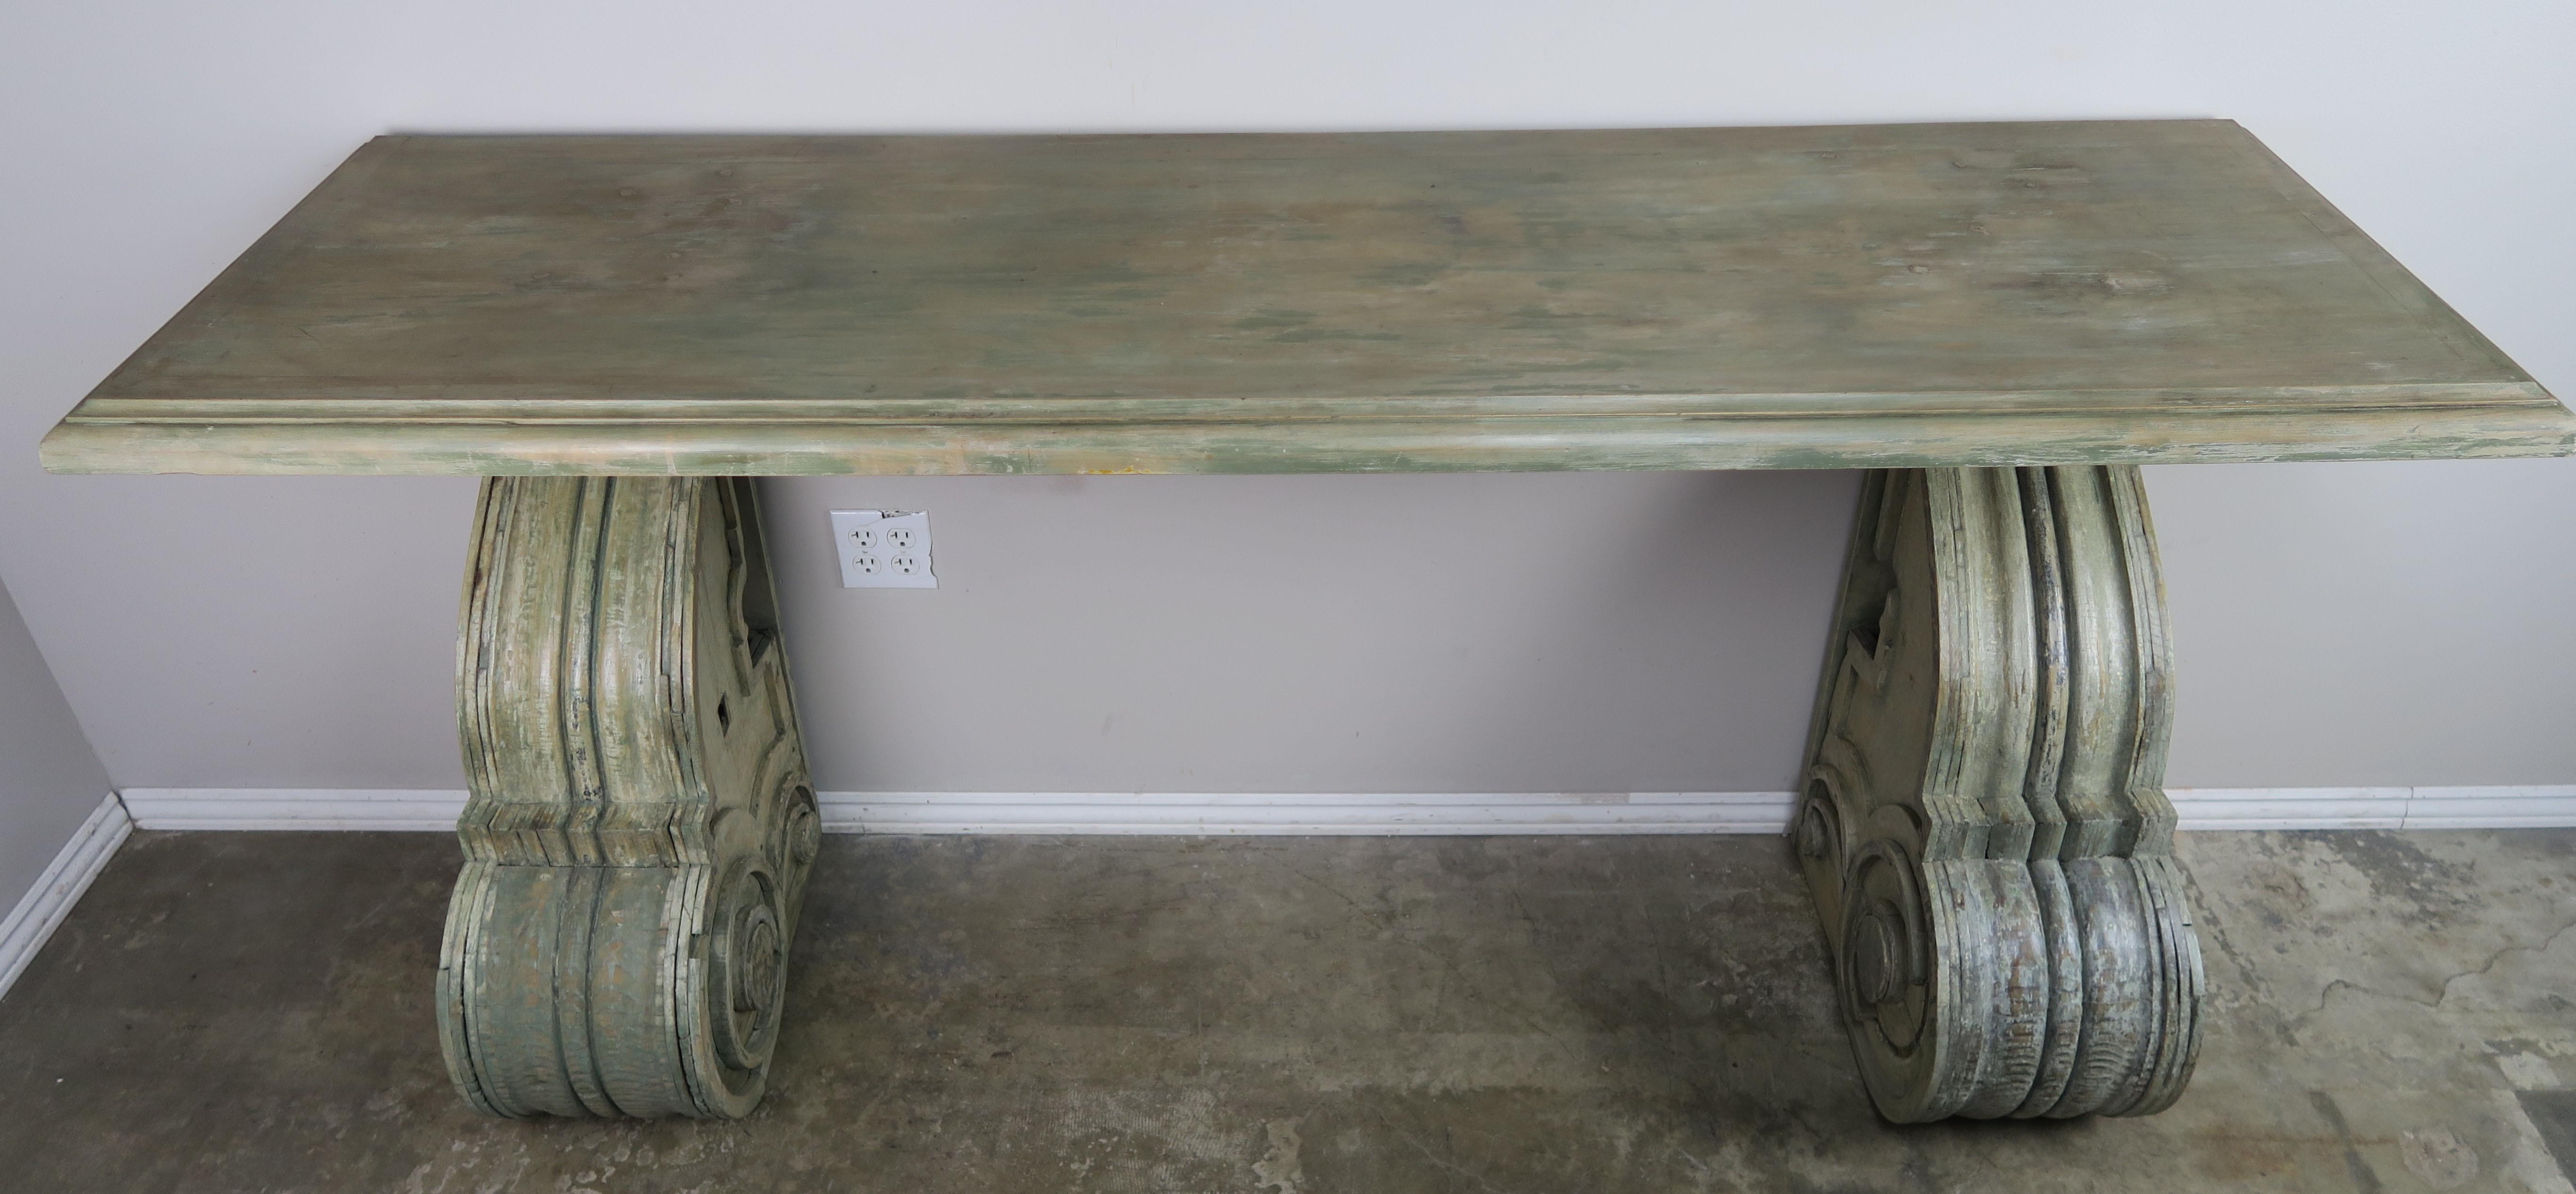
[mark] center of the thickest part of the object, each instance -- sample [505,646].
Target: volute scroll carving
[640,826]
[1983,823]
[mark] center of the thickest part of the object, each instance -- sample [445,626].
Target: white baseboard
[2532,807]
[2305,808]
[294,808]
[2528,806]
[27,926]
[1194,813]
[1229,814]
[1241,814]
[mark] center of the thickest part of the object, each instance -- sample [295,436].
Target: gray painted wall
[2338,624]
[50,780]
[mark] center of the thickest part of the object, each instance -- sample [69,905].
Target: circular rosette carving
[1944,973]
[1994,987]
[1818,835]
[1887,947]
[1817,839]
[801,830]
[749,965]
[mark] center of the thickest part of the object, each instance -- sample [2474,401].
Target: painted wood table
[1999,320]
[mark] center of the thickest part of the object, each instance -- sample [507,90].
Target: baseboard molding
[2306,808]
[427,810]
[2533,807]
[43,907]
[1250,814]
[1229,814]
[1194,813]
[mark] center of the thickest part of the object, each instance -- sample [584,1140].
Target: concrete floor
[1292,1016]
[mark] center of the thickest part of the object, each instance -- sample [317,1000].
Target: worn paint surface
[641,826]
[1903,295]
[1139,1016]
[1984,823]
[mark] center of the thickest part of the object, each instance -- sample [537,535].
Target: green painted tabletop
[1921,295]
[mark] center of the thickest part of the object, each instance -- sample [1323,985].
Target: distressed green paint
[1884,296]
[641,825]
[1955,305]
[1984,824]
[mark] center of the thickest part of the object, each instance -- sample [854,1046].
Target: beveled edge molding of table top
[714,437]
[363,426]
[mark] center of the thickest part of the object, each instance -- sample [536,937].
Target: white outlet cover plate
[883,549]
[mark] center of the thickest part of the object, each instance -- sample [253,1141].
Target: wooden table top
[1916,295]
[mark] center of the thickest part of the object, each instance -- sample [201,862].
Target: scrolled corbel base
[1983,824]
[641,825]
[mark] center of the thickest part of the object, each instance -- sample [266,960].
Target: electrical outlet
[883,549]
